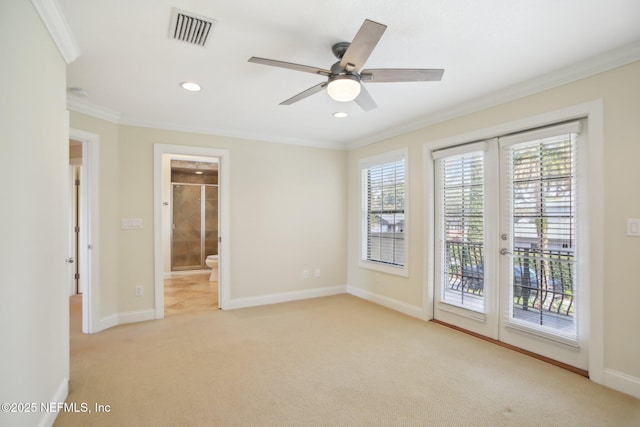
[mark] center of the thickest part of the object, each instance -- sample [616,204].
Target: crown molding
[74,104]
[598,64]
[58,28]
[79,106]
[156,124]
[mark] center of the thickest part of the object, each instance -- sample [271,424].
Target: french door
[508,242]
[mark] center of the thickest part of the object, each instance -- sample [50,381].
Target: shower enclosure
[195,222]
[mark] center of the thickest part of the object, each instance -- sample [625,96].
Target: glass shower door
[211,220]
[186,246]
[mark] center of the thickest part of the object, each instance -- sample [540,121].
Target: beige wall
[288,205]
[34,278]
[620,91]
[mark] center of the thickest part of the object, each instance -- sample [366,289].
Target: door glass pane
[543,207]
[186,249]
[461,204]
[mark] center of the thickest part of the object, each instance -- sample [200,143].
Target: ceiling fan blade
[302,95]
[365,101]
[401,75]
[362,45]
[289,65]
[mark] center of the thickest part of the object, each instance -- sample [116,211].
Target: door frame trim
[89,248]
[594,113]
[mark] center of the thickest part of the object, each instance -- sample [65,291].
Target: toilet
[212,263]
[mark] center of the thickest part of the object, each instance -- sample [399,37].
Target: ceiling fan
[344,79]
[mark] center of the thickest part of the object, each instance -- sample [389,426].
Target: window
[384,189]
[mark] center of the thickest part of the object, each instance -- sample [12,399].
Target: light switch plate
[131,223]
[633,227]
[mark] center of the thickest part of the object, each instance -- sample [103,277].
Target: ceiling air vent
[190,28]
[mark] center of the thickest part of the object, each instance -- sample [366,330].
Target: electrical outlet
[139,290]
[305,274]
[317,272]
[633,227]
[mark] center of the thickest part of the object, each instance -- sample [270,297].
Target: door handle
[505,251]
[69,260]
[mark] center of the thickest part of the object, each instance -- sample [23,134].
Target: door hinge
[77,276]
[77,182]
[77,229]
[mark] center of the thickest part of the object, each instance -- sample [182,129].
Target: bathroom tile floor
[186,293]
[183,293]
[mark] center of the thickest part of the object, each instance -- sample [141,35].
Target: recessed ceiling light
[199,172]
[340,114]
[190,86]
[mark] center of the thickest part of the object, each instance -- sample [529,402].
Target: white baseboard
[136,316]
[286,297]
[107,322]
[122,318]
[393,304]
[59,396]
[622,382]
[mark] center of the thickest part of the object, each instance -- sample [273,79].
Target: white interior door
[71,233]
[508,241]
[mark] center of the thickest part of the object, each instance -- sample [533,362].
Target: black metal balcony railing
[543,280]
[466,267]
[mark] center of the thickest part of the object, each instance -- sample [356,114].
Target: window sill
[385,268]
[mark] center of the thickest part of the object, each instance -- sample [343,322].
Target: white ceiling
[491,50]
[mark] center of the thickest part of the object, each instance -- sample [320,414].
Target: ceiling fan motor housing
[339,49]
[337,70]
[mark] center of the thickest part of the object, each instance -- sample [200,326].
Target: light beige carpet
[336,361]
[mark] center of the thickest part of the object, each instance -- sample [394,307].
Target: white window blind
[384,191]
[460,203]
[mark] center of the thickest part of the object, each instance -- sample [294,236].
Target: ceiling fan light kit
[344,79]
[344,88]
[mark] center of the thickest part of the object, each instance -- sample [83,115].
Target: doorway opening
[191,221]
[192,283]
[75,291]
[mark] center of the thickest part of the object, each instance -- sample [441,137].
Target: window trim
[366,163]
